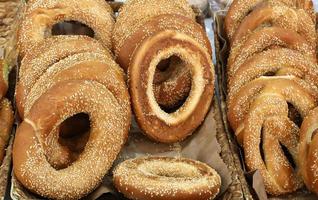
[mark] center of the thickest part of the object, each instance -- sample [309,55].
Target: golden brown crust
[279,61]
[259,112]
[161,178]
[45,54]
[156,123]
[279,16]
[136,13]
[308,150]
[177,86]
[264,39]
[239,9]
[43,14]
[107,136]
[132,28]
[84,66]
[6,122]
[298,92]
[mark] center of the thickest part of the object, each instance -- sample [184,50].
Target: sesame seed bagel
[239,9]
[45,54]
[43,14]
[268,37]
[308,150]
[132,28]
[83,66]
[302,95]
[161,178]
[155,122]
[277,62]
[280,16]
[129,21]
[6,122]
[107,135]
[268,129]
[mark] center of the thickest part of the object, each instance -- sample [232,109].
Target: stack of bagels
[65,80]
[272,79]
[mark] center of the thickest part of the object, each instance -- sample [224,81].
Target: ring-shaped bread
[45,54]
[41,15]
[159,178]
[107,136]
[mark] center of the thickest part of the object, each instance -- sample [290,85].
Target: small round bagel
[43,14]
[162,178]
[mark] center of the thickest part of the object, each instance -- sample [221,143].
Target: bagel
[37,135]
[159,178]
[156,123]
[132,28]
[279,61]
[239,9]
[281,16]
[267,128]
[264,39]
[41,15]
[48,52]
[295,91]
[308,149]
[83,66]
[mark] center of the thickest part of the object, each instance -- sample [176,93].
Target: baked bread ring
[160,178]
[48,52]
[302,95]
[133,27]
[43,14]
[267,38]
[268,129]
[156,123]
[307,150]
[84,66]
[239,9]
[129,21]
[279,61]
[107,136]
[6,122]
[281,16]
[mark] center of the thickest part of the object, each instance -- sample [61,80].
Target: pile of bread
[272,80]
[69,81]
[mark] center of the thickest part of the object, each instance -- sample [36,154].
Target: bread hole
[269,74]
[294,115]
[74,133]
[288,155]
[72,28]
[261,144]
[172,82]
